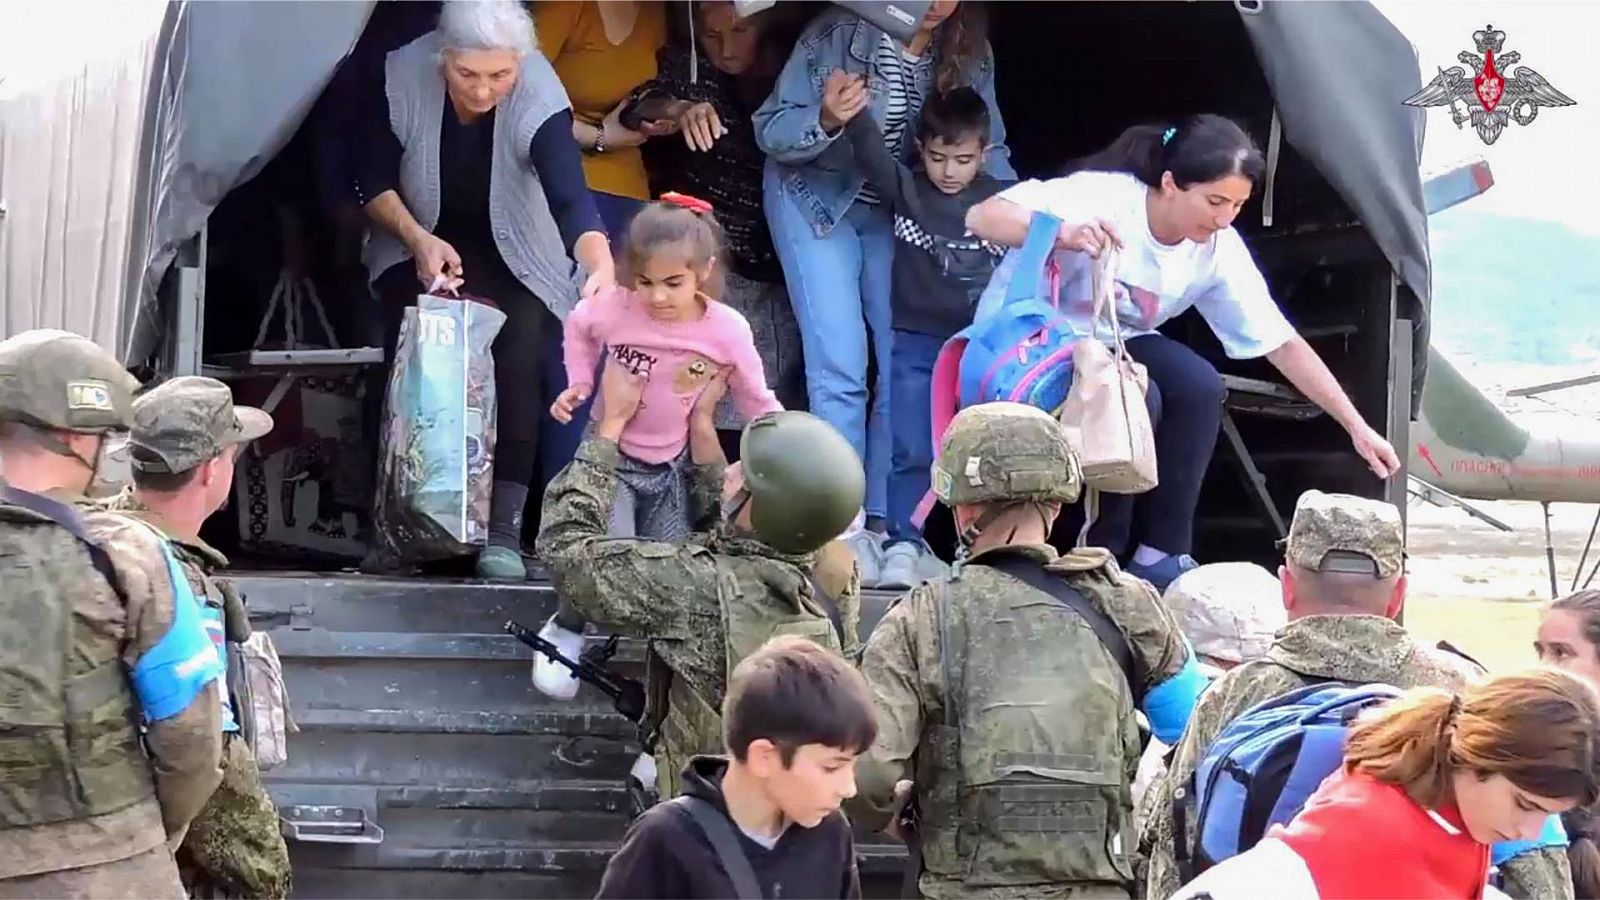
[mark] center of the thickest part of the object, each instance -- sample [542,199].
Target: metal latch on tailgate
[329,825]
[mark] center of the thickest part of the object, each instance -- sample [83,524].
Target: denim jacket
[819,170]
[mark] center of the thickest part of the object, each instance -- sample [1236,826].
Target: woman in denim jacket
[833,236]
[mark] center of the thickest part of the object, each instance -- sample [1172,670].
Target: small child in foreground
[794,719]
[668,327]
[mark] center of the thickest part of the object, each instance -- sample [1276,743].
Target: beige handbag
[1105,416]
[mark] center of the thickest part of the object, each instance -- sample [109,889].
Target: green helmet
[805,481]
[1005,453]
[57,379]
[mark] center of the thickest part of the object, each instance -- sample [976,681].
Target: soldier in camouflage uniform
[746,575]
[999,702]
[185,435]
[1343,586]
[98,641]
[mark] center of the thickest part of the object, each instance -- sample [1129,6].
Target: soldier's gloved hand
[621,391]
[902,796]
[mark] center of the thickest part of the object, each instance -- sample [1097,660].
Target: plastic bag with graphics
[436,470]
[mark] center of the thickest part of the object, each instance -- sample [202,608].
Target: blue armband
[1553,835]
[173,673]
[1170,703]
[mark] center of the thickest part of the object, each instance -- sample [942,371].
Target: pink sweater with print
[677,358]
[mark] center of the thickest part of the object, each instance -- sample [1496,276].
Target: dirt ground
[1483,589]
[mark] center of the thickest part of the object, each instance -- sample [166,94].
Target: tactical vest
[761,599]
[1024,778]
[69,739]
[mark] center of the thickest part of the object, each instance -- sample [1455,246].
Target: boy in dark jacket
[939,272]
[795,718]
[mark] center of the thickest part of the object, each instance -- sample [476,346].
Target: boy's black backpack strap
[720,832]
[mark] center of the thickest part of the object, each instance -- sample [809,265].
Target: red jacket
[1357,839]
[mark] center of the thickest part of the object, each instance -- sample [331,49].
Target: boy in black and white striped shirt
[939,271]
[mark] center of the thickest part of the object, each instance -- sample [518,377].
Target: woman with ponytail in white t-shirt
[1167,198]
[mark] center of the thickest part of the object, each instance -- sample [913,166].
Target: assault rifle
[626,694]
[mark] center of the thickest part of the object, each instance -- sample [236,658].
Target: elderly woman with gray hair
[467,166]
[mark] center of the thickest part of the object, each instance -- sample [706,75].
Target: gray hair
[486,25]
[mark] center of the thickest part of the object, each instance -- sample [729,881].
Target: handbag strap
[1104,281]
[717,830]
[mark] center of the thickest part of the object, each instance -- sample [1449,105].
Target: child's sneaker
[868,548]
[1160,574]
[908,564]
[552,678]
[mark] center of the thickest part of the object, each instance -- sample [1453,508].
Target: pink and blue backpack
[1019,345]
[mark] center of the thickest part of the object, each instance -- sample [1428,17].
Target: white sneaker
[908,564]
[552,678]
[868,548]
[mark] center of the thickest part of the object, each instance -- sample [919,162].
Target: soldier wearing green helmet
[746,576]
[1006,693]
[110,730]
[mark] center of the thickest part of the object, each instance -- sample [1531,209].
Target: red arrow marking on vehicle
[1427,457]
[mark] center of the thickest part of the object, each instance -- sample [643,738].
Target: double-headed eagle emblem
[1487,98]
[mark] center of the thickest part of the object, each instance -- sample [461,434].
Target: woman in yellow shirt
[601,51]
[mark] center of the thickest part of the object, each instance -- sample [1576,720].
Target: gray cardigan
[524,229]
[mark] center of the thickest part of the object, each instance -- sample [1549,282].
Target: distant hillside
[1510,291]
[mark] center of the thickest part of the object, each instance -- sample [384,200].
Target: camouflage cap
[1229,611]
[1330,530]
[1004,452]
[188,420]
[56,379]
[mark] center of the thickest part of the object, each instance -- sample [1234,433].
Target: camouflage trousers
[234,847]
[935,888]
[146,876]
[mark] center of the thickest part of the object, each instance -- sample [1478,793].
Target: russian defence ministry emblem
[1481,93]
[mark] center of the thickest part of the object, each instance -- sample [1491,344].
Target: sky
[1546,169]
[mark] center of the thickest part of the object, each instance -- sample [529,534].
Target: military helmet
[1005,452]
[56,379]
[805,481]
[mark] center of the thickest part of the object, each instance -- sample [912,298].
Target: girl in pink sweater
[667,326]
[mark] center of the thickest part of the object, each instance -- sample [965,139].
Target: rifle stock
[910,828]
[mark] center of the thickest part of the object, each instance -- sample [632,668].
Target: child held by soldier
[668,328]
[765,818]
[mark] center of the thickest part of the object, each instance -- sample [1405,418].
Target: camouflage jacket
[200,562]
[670,593]
[1356,649]
[903,665]
[185,749]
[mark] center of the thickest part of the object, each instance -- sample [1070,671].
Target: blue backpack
[1018,347]
[1263,766]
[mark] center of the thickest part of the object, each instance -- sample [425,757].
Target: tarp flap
[250,71]
[1339,72]
[69,146]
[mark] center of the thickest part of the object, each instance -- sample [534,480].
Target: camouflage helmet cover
[1329,527]
[188,420]
[56,379]
[1004,452]
[805,481]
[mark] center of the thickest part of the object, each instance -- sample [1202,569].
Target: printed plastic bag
[437,466]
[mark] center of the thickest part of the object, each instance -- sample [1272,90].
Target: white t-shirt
[1155,281]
